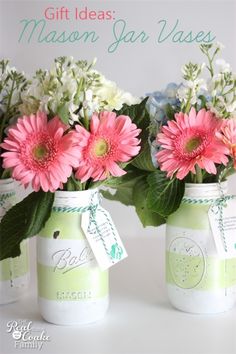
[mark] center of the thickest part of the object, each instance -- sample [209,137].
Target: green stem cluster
[6,116]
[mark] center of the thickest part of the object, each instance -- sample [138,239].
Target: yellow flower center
[101,147]
[193,144]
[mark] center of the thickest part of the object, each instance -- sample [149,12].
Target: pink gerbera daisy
[191,140]
[228,137]
[111,140]
[39,152]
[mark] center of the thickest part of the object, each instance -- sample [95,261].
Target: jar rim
[224,184]
[61,193]
[4,181]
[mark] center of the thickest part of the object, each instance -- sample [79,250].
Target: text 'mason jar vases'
[198,280]
[14,272]
[72,289]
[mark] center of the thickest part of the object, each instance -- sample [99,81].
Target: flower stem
[86,119]
[199,178]
[188,104]
[6,116]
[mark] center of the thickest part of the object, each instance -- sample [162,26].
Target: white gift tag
[103,237]
[222,217]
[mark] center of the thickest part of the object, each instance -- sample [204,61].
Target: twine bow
[4,197]
[92,208]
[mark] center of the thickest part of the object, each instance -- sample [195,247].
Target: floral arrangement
[74,90]
[191,138]
[74,133]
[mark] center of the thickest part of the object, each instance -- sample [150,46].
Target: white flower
[223,66]
[182,93]
[72,109]
[129,99]
[88,95]
[77,86]
[219,45]
[231,107]
[44,104]
[195,88]
[213,109]
[112,96]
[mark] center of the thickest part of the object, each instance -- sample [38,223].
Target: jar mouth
[4,181]
[202,190]
[63,194]
[206,185]
[7,181]
[76,198]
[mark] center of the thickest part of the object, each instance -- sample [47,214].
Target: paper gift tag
[103,238]
[222,218]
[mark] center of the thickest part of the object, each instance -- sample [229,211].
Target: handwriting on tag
[103,237]
[222,217]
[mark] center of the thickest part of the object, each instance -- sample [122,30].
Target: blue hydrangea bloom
[156,106]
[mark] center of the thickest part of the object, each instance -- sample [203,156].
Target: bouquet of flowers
[191,137]
[74,134]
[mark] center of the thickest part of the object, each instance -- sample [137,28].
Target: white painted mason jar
[72,289]
[198,280]
[14,272]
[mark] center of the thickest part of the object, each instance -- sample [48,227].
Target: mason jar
[72,289]
[198,280]
[14,272]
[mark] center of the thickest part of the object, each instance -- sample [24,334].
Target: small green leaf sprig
[12,85]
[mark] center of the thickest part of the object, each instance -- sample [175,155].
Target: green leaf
[121,195]
[146,216]
[63,113]
[144,160]
[203,102]
[138,113]
[24,220]
[123,186]
[170,112]
[165,195]
[6,174]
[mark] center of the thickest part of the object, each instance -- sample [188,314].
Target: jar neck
[7,185]
[205,190]
[77,198]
